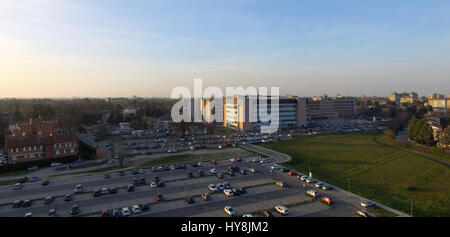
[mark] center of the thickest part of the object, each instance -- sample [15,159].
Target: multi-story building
[39,140]
[439,103]
[242,114]
[404,98]
[325,107]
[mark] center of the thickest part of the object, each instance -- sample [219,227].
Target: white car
[247,215]
[28,214]
[310,180]
[104,191]
[228,192]
[78,188]
[229,210]
[282,210]
[17,186]
[125,211]
[275,167]
[319,185]
[153,185]
[213,188]
[232,160]
[200,164]
[135,209]
[312,193]
[367,203]
[54,164]
[213,171]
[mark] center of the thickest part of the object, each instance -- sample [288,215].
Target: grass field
[382,173]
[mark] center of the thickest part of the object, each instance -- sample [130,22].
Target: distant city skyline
[98,49]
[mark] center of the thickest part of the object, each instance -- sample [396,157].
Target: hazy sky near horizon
[112,48]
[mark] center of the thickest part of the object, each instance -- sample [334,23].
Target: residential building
[404,98]
[39,140]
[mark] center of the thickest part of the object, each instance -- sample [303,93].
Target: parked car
[252,170]
[312,193]
[266,213]
[68,198]
[319,185]
[275,167]
[362,213]
[34,167]
[153,185]
[107,176]
[104,191]
[45,182]
[130,188]
[367,203]
[145,208]
[282,210]
[75,210]
[327,200]
[292,173]
[142,180]
[17,204]
[49,199]
[230,211]
[189,200]
[220,176]
[159,197]
[220,186]
[327,187]
[228,192]
[125,211]
[54,164]
[96,193]
[78,188]
[201,173]
[27,203]
[135,209]
[17,186]
[190,175]
[28,214]
[113,190]
[206,196]
[285,170]
[52,212]
[213,188]
[104,214]
[213,171]
[135,172]
[33,179]
[116,213]
[281,184]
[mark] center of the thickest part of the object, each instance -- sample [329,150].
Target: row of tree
[420,131]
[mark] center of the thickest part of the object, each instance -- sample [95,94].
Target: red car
[159,197]
[291,173]
[327,200]
[105,214]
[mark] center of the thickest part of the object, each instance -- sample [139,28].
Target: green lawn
[379,172]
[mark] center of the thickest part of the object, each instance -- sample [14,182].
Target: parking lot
[261,193]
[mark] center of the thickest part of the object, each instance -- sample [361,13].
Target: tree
[412,132]
[390,133]
[121,155]
[445,138]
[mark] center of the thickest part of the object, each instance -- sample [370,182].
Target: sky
[111,48]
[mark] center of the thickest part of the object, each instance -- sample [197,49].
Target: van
[17,186]
[312,193]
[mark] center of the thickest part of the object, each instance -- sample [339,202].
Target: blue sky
[56,48]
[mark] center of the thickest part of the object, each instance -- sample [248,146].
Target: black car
[75,210]
[238,159]
[23,180]
[156,178]
[112,190]
[130,188]
[242,190]
[267,214]
[27,203]
[107,176]
[189,200]
[145,208]
[161,184]
[135,172]
[285,170]
[17,204]
[166,168]
[190,175]
[116,213]
[121,173]
[45,183]
[154,169]
[135,181]
[201,173]
[183,166]
[96,193]
[194,164]
[142,181]
[236,192]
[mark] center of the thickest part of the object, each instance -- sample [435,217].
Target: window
[72,150]
[24,134]
[57,152]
